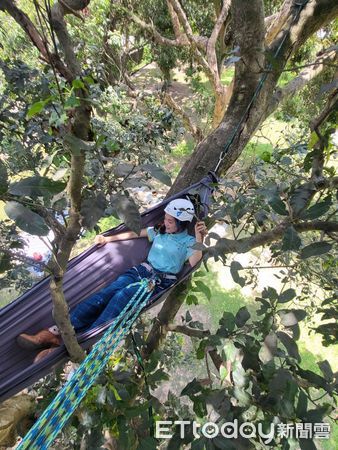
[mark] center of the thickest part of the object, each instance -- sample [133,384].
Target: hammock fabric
[86,273]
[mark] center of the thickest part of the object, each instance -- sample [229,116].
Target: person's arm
[101,240]
[200,232]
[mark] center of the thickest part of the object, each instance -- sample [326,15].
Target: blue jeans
[107,303]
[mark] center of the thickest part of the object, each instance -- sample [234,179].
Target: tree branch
[275,23]
[196,42]
[295,85]
[192,332]
[29,28]
[176,24]
[211,46]
[244,245]
[180,42]
[58,11]
[318,154]
[194,130]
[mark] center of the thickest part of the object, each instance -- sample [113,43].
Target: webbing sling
[53,419]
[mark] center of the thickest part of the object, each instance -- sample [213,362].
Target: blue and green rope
[54,418]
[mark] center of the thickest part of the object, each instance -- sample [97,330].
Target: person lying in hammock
[171,248]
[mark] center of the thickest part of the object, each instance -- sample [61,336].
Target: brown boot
[42,339]
[44,353]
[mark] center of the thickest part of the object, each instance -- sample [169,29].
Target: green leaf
[88,79]
[289,344]
[242,396]
[306,444]
[301,404]
[223,372]
[313,139]
[26,219]
[268,348]
[124,169]
[234,268]
[3,178]
[317,415]
[192,388]
[265,156]
[317,210]
[238,374]
[5,262]
[203,288]
[301,197]
[222,443]
[37,187]
[115,392]
[199,407]
[92,209]
[295,329]
[286,296]
[127,211]
[200,352]
[278,205]
[292,317]
[192,300]
[78,84]
[188,316]
[158,173]
[229,351]
[197,444]
[148,443]
[157,376]
[291,240]
[270,293]
[228,321]
[326,370]
[242,316]
[315,249]
[35,108]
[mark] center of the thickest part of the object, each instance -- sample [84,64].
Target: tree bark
[247,108]
[80,128]
[242,119]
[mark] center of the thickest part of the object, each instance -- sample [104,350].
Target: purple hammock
[86,274]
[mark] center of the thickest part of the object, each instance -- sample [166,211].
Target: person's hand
[200,231]
[100,240]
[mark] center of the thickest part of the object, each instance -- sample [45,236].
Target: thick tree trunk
[243,118]
[222,98]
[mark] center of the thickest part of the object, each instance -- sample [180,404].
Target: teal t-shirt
[169,251]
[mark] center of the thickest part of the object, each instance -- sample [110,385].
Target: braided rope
[53,419]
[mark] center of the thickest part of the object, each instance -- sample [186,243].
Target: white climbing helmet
[181,209]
